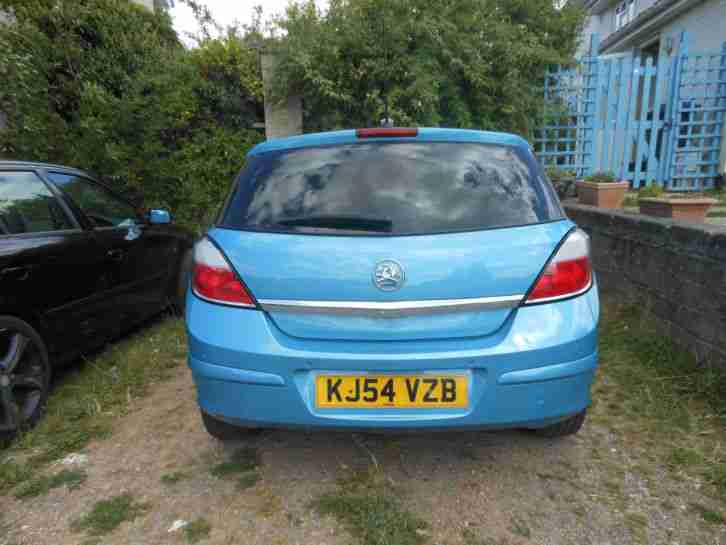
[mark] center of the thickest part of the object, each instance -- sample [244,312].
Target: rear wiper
[347,223]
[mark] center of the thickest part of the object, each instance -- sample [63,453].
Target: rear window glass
[387,188]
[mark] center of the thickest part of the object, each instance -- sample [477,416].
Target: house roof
[646,22]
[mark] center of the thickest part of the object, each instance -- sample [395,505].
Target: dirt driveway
[599,487]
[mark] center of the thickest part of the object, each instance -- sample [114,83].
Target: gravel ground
[471,488]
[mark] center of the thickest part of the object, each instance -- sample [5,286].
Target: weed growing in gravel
[88,400]
[241,461]
[248,480]
[470,537]
[197,530]
[174,477]
[372,512]
[709,515]
[71,478]
[12,474]
[520,528]
[107,515]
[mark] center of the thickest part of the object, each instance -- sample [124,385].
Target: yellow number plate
[389,391]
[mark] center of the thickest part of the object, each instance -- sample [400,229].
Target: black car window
[386,188]
[99,205]
[28,206]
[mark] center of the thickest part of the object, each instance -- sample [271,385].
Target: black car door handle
[16,273]
[116,255]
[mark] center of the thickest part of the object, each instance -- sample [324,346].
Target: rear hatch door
[391,240]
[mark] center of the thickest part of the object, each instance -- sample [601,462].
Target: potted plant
[563,181]
[653,201]
[602,189]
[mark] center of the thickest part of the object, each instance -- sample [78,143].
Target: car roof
[424,135]
[33,165]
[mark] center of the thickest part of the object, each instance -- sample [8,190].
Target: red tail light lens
[214,280]
[391,132]
[568,273]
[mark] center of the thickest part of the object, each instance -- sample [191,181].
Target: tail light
[568,273]
[214,280]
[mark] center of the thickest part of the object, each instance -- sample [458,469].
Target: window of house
[624,13]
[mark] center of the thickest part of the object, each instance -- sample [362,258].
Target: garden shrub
[106,86]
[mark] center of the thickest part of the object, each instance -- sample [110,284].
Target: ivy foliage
[105,85]
[457,63]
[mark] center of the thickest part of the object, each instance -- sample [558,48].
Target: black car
[79,265]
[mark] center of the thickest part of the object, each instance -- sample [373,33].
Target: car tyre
[566,427]
[179,302]
[226,432]
[25,374]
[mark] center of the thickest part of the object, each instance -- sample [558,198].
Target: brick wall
[676,270]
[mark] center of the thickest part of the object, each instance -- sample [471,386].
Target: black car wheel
[566,427]
[24,376]
[182,284]
[226,432]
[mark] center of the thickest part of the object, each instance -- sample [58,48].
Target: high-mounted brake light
[568,273]
[383,132]
[214,280]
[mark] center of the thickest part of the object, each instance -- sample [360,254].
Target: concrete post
[282,117]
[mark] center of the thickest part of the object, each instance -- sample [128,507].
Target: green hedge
[105,85]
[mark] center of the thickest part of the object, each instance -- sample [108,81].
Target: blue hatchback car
[393,278]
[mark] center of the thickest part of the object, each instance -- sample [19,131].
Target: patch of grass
[376,519]
[248,480]
[241,461]
[107,515]
[174,477]
[669,401]
[683,456]
[520,528]
[709,515]
[636,520]
[717,214]
[371,511]
[86,403]
[12,474]
[470,537]
[197,530]
[71,478]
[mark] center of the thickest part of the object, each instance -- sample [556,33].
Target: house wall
[705,24]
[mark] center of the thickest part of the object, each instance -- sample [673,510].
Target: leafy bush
[457,63]
[651,190]
[106,86]
[602,178]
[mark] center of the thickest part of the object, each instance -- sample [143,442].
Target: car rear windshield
[390,188]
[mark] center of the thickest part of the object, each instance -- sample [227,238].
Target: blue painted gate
[645,120]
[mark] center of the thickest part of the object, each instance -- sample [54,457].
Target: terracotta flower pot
[693,210]
[604,195]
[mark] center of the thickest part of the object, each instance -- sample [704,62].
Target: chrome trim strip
[561,297]
[389,308]
[228,303]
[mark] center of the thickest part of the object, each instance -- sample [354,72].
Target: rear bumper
[536,370]
[519,399]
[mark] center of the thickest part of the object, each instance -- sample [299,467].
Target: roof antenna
[386,121]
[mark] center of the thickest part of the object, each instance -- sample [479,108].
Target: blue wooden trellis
[646,120]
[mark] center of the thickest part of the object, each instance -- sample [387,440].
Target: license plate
[392,391]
